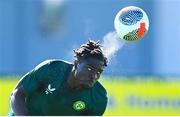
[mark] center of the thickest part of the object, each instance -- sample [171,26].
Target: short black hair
[90,49]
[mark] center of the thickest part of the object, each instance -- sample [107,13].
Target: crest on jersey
[79,105]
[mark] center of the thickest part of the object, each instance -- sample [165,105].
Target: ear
[75,63]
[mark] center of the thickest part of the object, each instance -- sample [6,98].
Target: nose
[93,75]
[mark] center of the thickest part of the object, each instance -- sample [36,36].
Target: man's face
[88,71]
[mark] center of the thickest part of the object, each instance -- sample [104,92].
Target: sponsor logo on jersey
[79,105]
[49,89]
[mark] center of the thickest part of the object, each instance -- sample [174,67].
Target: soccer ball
[131,23]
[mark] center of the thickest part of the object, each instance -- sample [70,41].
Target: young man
[57,87]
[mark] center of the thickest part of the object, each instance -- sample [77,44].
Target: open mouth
[88,83]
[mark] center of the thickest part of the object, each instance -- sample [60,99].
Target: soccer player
[57,87]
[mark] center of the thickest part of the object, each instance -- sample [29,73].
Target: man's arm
[28,84]
[17,101]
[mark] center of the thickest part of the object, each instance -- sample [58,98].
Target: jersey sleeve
[35,78]
[100,104]
[99,108]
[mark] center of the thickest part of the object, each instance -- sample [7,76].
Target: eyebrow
[96,69]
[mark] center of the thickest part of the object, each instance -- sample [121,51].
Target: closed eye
[97,71]
[89,69]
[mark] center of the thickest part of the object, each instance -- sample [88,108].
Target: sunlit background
[142,77]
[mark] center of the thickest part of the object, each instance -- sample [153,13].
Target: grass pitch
[6,86]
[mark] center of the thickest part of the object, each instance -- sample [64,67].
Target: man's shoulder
[53,62]
[100,89]
[58,61]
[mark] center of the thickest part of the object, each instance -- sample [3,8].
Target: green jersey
[48,92]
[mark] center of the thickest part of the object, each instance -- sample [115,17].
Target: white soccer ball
[131,23]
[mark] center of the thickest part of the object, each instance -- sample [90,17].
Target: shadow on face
[88,71]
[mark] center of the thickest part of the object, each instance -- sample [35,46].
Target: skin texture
[83,75]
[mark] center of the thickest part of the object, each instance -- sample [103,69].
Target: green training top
[48,92]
